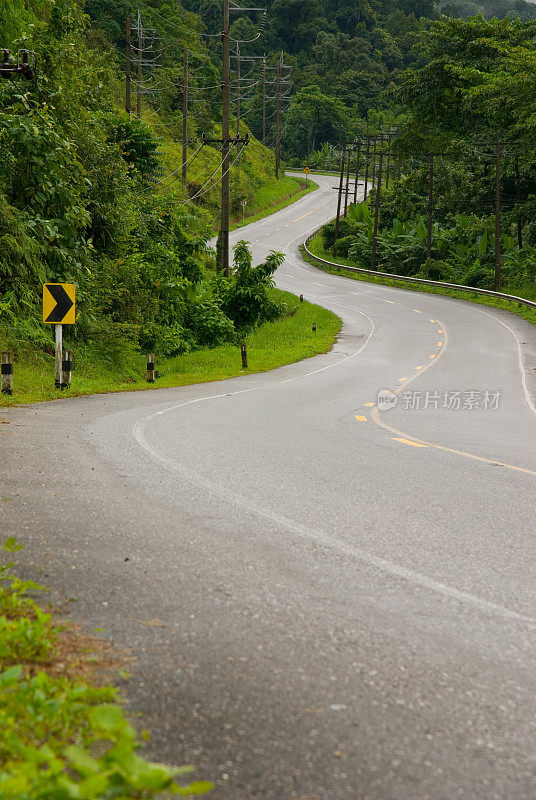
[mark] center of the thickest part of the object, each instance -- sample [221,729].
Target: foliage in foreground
[62,739]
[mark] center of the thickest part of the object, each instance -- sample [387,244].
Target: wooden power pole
[184,113]
[367,160]
[226,110]
[376,213]
[357,170]
[497,285]
[263,102]
[430,206]
[238,98]
[277,118]
[339,199]
[128,108]
[347,185]
[140,54]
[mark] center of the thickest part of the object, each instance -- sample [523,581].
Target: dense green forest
[463,164]
[347,58]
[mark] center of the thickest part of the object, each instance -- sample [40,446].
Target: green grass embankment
[272,345]
[528,292]
[273,196]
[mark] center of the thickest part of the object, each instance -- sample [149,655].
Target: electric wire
[204,190]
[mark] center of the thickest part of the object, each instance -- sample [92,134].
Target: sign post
[307,171]
[59,310]
[243,204]
[59,355]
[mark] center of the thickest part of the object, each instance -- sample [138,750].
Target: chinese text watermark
[451,400]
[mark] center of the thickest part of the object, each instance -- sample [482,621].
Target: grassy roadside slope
[273,196]
[272,345]
[316,247]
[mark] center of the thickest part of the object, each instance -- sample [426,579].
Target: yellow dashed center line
[289,275]
[361,419]
[432,356]
[416,310]
[353,292]
[439,330]
[369,404]
[407,441]
[319,284]
[432,320]
[389,301]
[401,380]
[440,344]
[418,367]
[305,215]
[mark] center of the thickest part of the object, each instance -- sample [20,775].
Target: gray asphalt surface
[327,601]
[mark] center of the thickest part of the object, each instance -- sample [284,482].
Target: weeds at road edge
[63,738]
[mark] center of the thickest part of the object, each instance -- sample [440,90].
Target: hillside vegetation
[469,135]
[92,196]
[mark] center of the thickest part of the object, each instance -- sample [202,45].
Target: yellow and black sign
[59,303]
[307,170]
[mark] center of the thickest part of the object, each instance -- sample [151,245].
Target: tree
[314,118]
[246,297]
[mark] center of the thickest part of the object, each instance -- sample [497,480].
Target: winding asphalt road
[327,600]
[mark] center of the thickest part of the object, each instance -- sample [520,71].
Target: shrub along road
[328,600]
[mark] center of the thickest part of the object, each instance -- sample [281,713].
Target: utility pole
[388,160]
[237,89]
[518,200]
[226,104]
[430,205]
[497,285]
[263,101]
[128,108]
[367,159]
[184,113]
[347,185]
[140,53]
[374,163]
[357,170]
[277,118]
[376,214]
[339,198]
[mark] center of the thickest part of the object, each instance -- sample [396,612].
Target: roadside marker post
[150,368]
[66,367]
[59,309]
[314,327]
[7,372]
[244,354]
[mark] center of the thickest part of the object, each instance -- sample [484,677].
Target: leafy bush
[66,741]
[344,244]
[209,324]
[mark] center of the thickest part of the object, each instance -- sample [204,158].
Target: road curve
[328,600]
